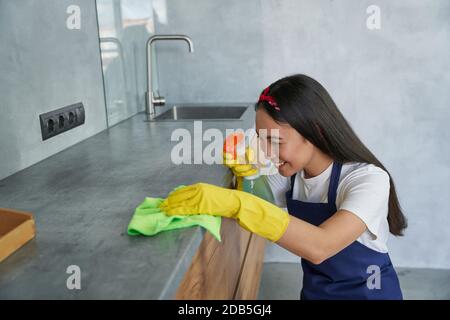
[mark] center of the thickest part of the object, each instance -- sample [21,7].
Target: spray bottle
[245,149]
[257,184]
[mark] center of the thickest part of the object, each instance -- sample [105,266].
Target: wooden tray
[16,229]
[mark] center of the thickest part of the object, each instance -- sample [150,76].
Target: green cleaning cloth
[149,219]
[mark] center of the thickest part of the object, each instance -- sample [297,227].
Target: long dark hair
[307,107]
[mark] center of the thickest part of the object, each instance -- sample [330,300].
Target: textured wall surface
[45,66]
[390,83]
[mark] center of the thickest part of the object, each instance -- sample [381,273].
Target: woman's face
[294,151]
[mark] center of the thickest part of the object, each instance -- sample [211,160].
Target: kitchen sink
[219,112]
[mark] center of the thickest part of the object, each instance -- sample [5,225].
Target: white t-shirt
[363,190]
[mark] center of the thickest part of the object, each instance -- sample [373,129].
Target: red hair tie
[265,97]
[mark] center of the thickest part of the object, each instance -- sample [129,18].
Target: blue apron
[344,275]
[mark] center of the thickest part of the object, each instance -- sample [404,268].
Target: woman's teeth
[279,164]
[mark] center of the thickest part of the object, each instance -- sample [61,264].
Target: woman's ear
[295,133]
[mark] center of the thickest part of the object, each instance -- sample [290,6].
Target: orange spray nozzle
[231,143]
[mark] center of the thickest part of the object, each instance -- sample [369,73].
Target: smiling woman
[313,132]
[340,199]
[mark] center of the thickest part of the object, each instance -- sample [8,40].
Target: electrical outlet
[61,120]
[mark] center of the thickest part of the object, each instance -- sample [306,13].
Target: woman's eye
[276,141]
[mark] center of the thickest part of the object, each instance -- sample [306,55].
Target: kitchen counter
[82,200]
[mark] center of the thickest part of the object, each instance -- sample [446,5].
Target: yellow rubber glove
[240,167]
[251,212]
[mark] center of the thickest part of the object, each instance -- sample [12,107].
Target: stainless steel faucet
[152,99]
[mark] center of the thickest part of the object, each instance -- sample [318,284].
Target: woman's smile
[280,163]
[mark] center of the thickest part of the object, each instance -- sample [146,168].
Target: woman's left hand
[201,198]
[252,213]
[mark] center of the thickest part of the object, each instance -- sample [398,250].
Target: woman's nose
[270,150]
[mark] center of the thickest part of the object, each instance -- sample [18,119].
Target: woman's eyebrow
[268,136]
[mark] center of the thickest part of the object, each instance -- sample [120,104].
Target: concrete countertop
[82,200]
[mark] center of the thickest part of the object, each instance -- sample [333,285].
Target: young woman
[341,201]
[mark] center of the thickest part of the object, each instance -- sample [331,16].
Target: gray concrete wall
[391,84]
[45,66]
[227,65]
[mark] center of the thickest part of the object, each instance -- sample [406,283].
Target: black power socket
[61,120]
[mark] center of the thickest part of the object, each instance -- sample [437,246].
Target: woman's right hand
[240,166]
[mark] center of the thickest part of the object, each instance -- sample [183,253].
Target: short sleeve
[279,186]
[365,193]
